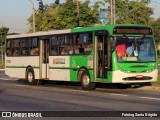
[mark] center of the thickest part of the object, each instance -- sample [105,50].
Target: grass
[1,65]
[158,81]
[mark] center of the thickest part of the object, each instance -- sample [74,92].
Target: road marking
[150,98]
[79,91]
[118,94]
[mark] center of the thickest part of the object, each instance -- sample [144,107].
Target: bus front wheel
[86,81]
[30,77]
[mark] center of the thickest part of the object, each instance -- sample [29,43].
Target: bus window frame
[28,47]
[85,43]
[73,44]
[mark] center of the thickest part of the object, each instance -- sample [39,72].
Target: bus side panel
[74,75]
[109,80]
[91,72]
[16,66]
[59,68]
[80,62]
[60,74]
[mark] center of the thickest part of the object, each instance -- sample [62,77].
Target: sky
[14,13]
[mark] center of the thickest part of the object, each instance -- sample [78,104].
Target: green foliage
[132,12]
[1,65]
[158,79]
[146,1]
[3,33]
[156,28]
[64,16]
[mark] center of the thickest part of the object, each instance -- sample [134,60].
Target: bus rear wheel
[30,77]
[86,81]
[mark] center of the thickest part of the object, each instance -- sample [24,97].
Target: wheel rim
[30,77]
[86,80]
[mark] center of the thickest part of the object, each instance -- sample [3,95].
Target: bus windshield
[135,49]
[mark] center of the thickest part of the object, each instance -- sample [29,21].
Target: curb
[2,69]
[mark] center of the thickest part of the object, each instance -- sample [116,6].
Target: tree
[132,12]
[3,33]
[64,16]
[156,29]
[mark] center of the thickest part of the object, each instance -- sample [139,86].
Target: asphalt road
[17,95]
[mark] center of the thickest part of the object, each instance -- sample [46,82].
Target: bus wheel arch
[30,76]
[85,80]
[80,73]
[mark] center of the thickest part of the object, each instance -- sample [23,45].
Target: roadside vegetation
[158,82]
[1,65]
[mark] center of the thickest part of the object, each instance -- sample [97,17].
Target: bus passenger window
[29,42]
[22,43]
[63,51]
[88,48]
[9,52]
[17,43]
[90,38]
[81,49]
[15,52]
[59,40]
[8,43]
[76,39]
[70,50]
[76,49]
[24,51]
[34,51]
[53,52]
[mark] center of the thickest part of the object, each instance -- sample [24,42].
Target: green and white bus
[88,55]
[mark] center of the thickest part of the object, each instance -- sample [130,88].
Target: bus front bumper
[122,77]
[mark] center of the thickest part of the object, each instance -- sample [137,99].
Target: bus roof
[109,28]
[106,27]
[41,33]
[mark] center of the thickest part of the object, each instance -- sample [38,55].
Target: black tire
[86,82]
[30,77]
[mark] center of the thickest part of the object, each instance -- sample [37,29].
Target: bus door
[101,55]
[44,59]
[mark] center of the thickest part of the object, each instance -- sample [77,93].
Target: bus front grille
[135,78]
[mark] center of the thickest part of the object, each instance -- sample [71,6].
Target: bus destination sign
[132,30]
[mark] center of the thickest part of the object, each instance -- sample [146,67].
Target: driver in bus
[130,50]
